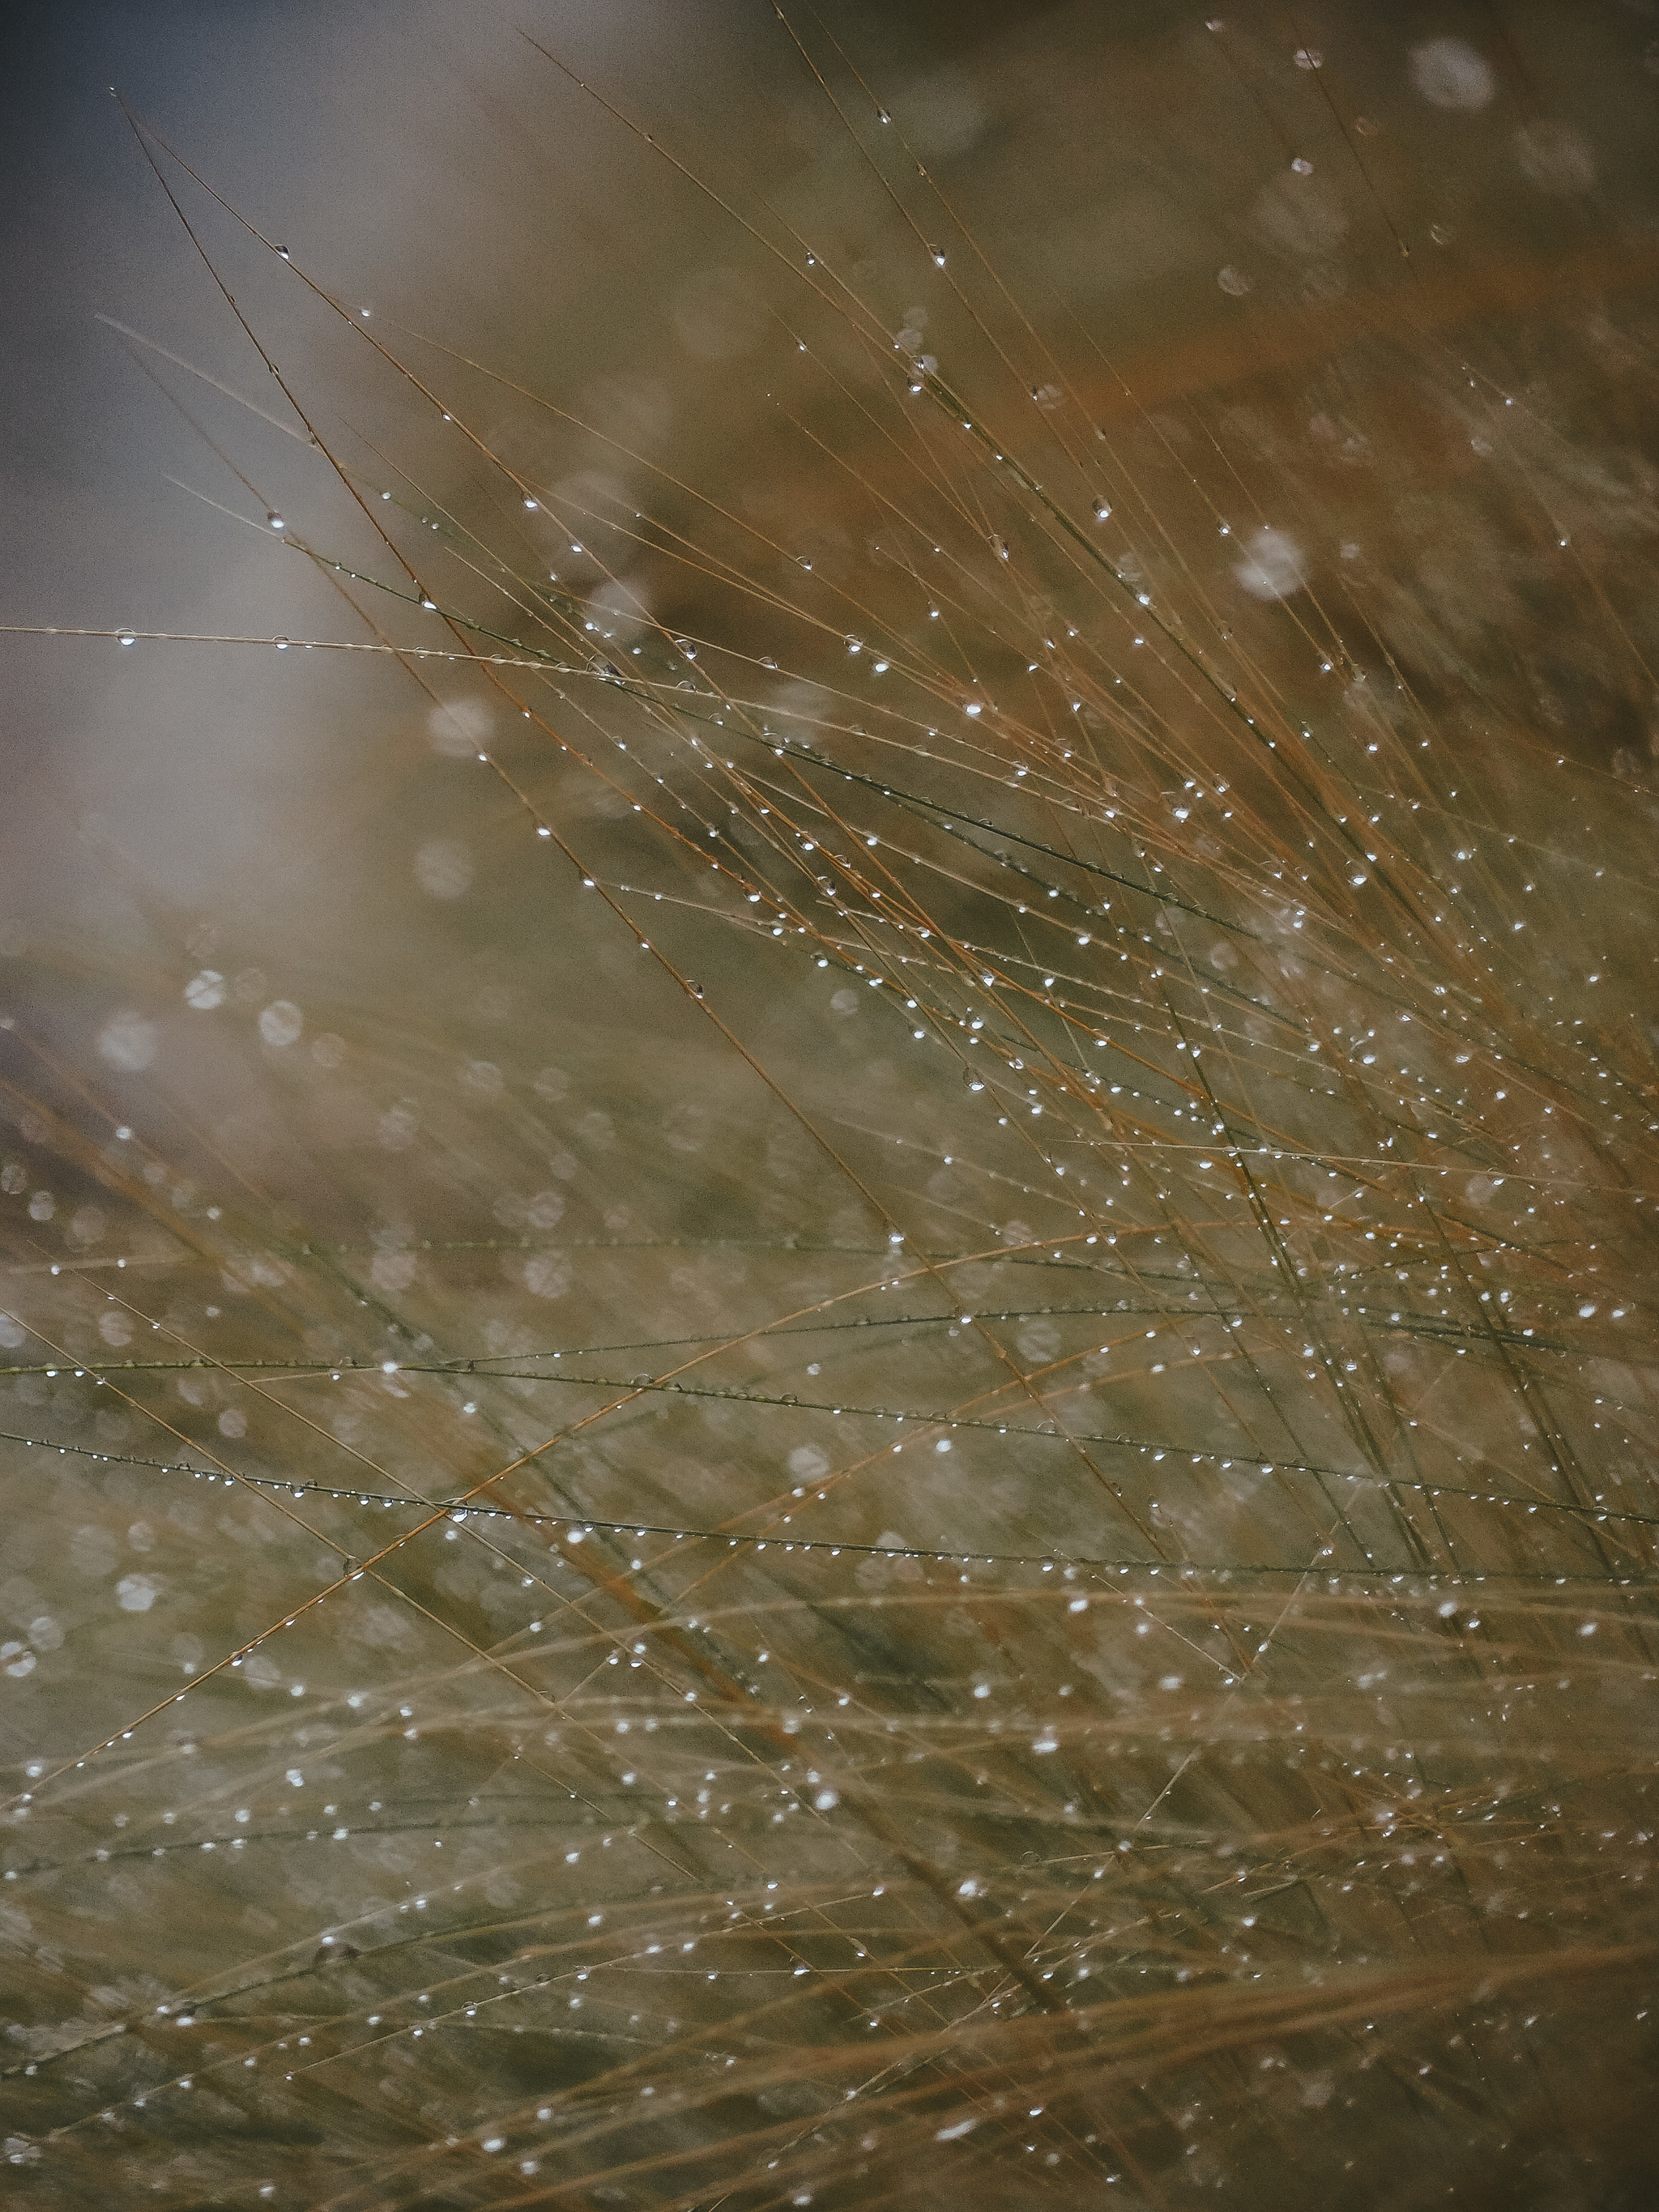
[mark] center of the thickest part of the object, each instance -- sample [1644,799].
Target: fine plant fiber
[840,1391]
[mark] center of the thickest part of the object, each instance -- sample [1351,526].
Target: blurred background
[826,1041]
